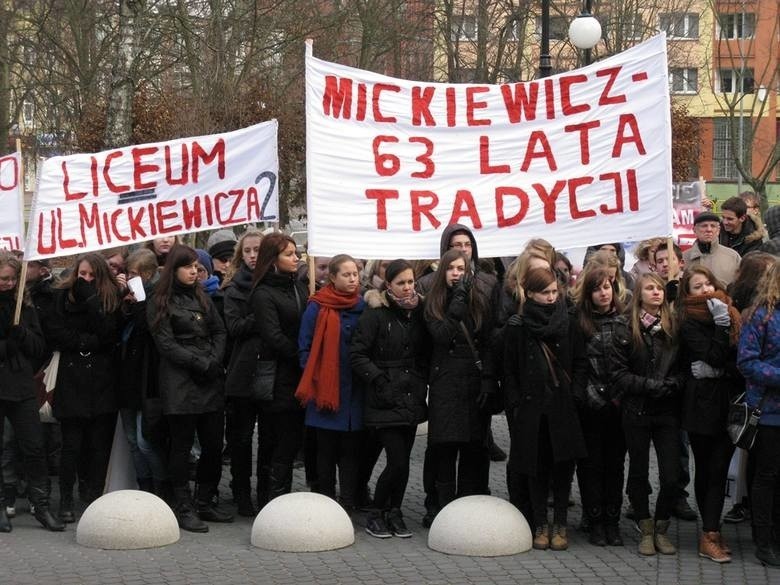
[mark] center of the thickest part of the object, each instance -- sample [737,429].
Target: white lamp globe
[585,32]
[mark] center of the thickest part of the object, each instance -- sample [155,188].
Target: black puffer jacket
[389,354]
[706,401]
[278,302]
[16,360]
[188,340]
[88,340]
[243,333]
[639,373]
[598,348]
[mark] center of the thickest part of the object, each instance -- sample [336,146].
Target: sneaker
[376,527]
[10,511]
[395,523]
[737,514]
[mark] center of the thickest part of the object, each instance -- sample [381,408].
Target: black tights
[712,455]
[561,474]
[391,485]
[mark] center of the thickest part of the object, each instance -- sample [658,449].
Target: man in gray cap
[707,251]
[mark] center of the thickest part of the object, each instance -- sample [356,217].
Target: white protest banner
[578,158]
[87,202]
[11,223]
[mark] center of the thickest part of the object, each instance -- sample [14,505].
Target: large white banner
[87,202]
[578,158]
[11,222]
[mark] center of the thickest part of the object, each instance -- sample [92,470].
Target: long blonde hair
[668,324]
[238,254]
[767,291]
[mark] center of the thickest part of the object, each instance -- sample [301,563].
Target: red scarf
[696,308]
[320,379]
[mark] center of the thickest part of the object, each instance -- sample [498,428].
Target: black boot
[612,527]
[207,506]
[5,523]
[765,552]
[66,514]
[279,480]
[595,517]
[263,477]
[445,493]
[242,496]
[39,497]
[185,514]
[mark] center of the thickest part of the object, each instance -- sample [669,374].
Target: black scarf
[243,278]
[546,321]
[7,306]
[180,288]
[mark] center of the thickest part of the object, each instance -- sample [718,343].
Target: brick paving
[31,555]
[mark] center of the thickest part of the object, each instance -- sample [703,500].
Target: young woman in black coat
[20,346]
[647,379]
[243,411]
[390,356]
[278,301]
[600,474]
[544,364]
[458,315]
[190,338]
[84,327]
[709,333]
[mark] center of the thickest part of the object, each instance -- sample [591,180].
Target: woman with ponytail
[709,332]
[334,406]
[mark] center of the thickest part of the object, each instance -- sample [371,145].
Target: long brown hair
[667,322]
[105,283]
[179,256]
[270,247]
[436,301]
[587,283]
[767,292]
[685,283]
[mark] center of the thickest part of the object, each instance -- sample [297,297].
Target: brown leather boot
[542,537]
[723,545]
[559,539]
[709,548]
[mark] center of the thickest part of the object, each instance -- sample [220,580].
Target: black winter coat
[243,333]
[639,372]
[530,394]
[598,349]
[16,361]
[188,340]
[706,401]
[139,361]
[455,382]
[43,294]
[88,341]
[391,343]
[278,302]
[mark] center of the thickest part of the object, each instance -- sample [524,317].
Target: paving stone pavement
[32,556]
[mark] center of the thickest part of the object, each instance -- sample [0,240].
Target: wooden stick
[20,284]
[674,263]
[312,284]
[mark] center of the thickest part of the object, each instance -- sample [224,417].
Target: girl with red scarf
[334,408]
[709,332]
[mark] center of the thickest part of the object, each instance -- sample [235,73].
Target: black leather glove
[656,388]
[515,320]
[465,283]
[672,386]
[83,290]
[487,391]
[596,396]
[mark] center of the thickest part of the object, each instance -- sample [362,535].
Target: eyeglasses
[6,279]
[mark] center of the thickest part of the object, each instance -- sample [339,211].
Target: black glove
[656,388]
[464,283]
[672,386]
[457,307]
[515,320]
[487,391]
[596,396]
[83,290]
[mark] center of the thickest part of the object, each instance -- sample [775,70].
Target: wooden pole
[312,284]
[20,284]
[674,263]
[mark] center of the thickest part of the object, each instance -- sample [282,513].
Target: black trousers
[28,432]
[664,432]
[281,434]
[391,485]
[244,414]
[559,473]
[370,450]
[90,438]
[712,456]
[766,480]
[462,463]
[210,429]
[338,450]
[600,474]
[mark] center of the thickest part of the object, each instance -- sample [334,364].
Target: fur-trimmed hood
[375,298]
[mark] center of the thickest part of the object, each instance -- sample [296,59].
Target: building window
[684,80]
[739,25]
[464,28]
[680,25]
[28,111]
[723,166]
[559,28]
[736,81]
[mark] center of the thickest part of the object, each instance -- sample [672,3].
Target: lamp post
[584,33]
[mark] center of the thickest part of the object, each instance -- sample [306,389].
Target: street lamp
[584,33]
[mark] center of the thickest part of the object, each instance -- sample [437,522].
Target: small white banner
[577,158]
[11,223]
[87,202]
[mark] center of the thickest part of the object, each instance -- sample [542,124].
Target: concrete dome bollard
[302,522]
[480,526]
[126,520]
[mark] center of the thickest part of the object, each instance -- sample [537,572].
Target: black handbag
[742,421]
[261,386]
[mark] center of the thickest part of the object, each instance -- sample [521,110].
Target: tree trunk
[119,122]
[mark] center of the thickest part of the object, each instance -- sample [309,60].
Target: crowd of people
[215,343]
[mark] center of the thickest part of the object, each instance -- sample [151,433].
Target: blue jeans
[149,461]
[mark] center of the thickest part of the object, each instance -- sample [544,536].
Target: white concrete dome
[126,520]
[302,522]
[480,526]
